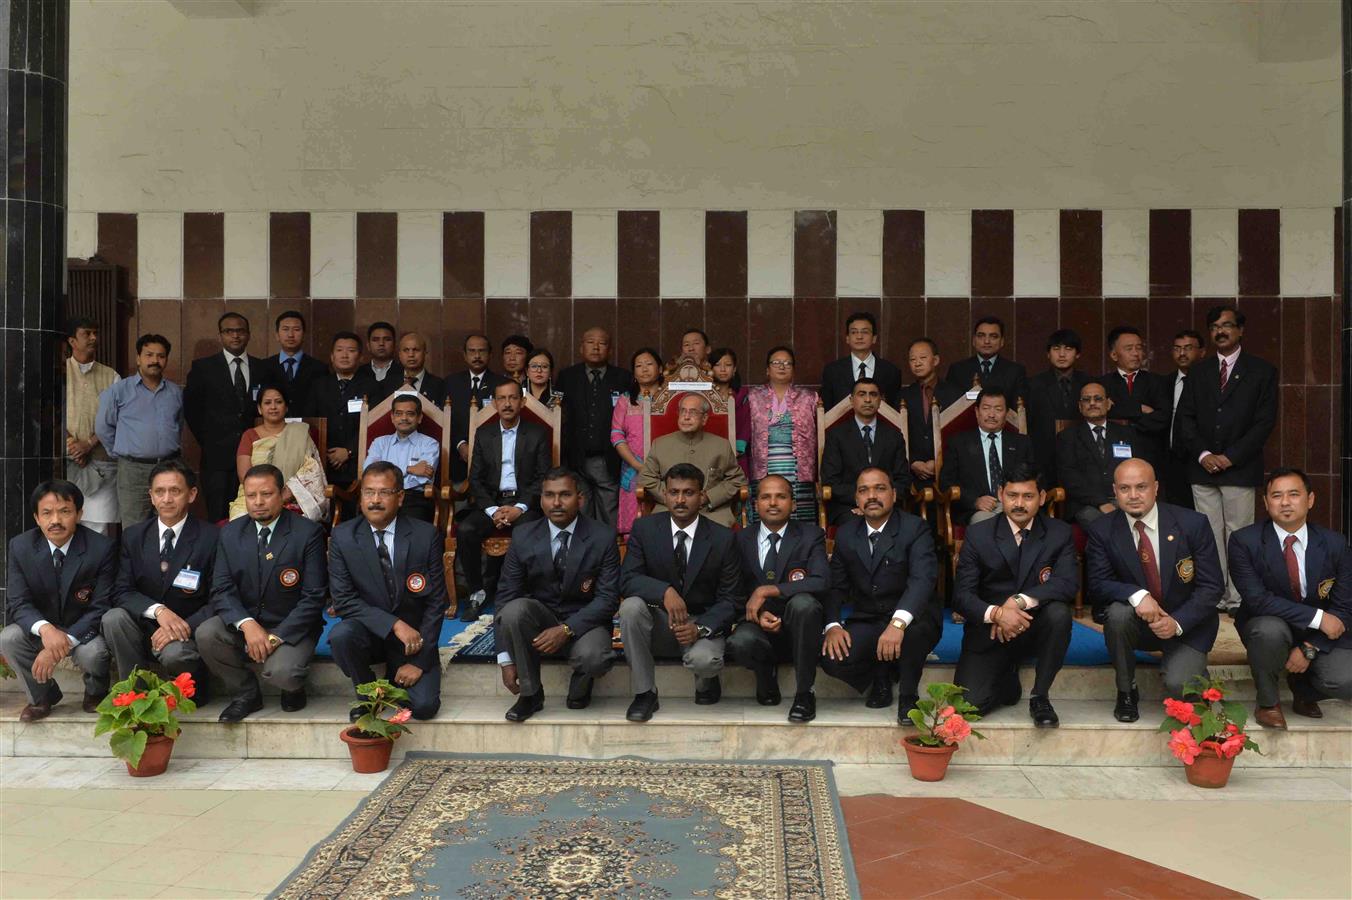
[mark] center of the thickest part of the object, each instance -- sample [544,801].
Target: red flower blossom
[170,701]
[953,730]
[1183,745]
[185,684]
[401,717]
[128,698]
[1232,745]
[1231,728]
[1211,695]
[1183,712]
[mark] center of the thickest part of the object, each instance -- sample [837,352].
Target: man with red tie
[1154,577]
[1295,585]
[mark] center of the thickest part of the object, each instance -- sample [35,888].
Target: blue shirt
[389,536]
[507,480]
[404,452]
[135,421]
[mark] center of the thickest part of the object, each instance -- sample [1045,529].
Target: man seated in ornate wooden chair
[860,431]
[683,426]
[405,429]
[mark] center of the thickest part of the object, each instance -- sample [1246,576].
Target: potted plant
[370,739]
[1212,732]
[5,670]
[141,711]
[944,719]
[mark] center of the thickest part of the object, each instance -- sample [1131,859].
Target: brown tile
[551,253]
[1057,878]
[1035,318]
[857,810]
[771,324]
[725,258]
[1321,360]
[289,255]
[502,316]
[638,253]
[678,314]
[117,245]
[261,335]
[377,255]
[1259,252]
[1328,505]
[1291,367]
[1262,326]
[814,253]
[639,325]
[1201,307]
[890,835]
[1334,515]
[164,317]
[331,317]
[424,317]
[900,321]
[1336,340]
[1319,414]
[1338,251]
[967,891]
[1028,840]
[459,319]
[1085,315]
[948,321]
[201,336]
[551,327]
[368,310]
[992,252]
[462,255]
[1170,252]
[902,876]
[275,308]
[725,319]
[1003,309]
[815,342]
[973,859]
[589,312]
[1168,316]
[203,255]
[903,252]
[1081,252]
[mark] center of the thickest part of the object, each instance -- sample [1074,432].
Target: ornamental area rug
[488,827]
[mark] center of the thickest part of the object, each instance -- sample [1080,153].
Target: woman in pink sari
[626,430]
[784,433]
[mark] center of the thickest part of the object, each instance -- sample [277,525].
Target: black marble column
[1346,251]
[34,50]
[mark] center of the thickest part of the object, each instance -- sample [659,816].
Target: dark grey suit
[1087,474]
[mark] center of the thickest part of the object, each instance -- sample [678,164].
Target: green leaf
[128,745]
[917,718]
[156,713]
[978,734]
[1235,712]
[104,724]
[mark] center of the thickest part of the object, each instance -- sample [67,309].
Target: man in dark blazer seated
[785,577]
[986,368]
[854,445]
[975,460]
[511,457]
[1295,584]
[919,397]
[60,583]
[163,588]
[590,390]
[1053,396]
[679,581]
[1226,413]
[1017,575]
[337,398]
[885,568]
[292,367]
[219,405]
[268,586]
[472,384]
[1154,578]
[389,588]
[559,592]
[1141,399]
[839,376]
[1088,452]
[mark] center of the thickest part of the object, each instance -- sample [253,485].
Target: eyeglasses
[781,364]
[538,367]
[382,493]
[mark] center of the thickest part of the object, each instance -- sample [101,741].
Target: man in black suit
[987,369]
[337,398]
[268,586]
[974,461]
[1140,397]
[919,397]
[785,577]
[1017,575]
[679,581]
[1295,581]
[412,374]
[1088,452]
[1053,396]
[1188,348]
[839,376]
[590,391]
[163,588]
[292,367]
[381,365]
[1226,414]
[219,405]
[856,444]
[884,566]
[474,384]
[60,583]
[1154,578]
[511,457]
[559,592]
[389,588]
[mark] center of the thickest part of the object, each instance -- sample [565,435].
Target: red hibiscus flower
[1183,712]
[171,701]
[1184,746]
[401,717]
[1232,745]
[185,684]
[1211,695]
[1231,728]
[127,699]
[953,730]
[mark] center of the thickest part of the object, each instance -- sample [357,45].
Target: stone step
[845,731]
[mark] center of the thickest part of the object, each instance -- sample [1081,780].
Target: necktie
[997,474]
[681,558]
[863,371]
[1148,562]
[1019,538]
[595,379]
[1131,382]
[1292,567]
[262,553]
[561,556]
[771,557]
[167,550]
[343,385]
[474,385]
[868,442]
[409,379]
[386,564]
[985,370]
[241,386]
[1066,401]
[1100,441]
[927,393]
[873,542]
[58,561]
[291,370]
[1225,373]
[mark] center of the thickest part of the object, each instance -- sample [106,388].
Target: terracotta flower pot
[928,763]
[1210,769]
[369,754]
[155,759]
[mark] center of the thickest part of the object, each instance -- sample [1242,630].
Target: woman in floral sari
[288,446]
[626,430]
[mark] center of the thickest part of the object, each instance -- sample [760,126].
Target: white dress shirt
[898,614]
[870,363]
[689,532]
[389,537]
[379,371]
[243,367]
[36,630]
[507,479]
[1299,547]
[177,529]
[763,541]
[1152,533]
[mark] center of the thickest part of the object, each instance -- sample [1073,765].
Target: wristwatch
[703,631]
[1309,651]
[898,624]
[274,641]
[1020,601]
[568,631]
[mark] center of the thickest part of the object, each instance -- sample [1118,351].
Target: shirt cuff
[521,506]
[1136,598]
[504,658]
[906,618]
[1203,455]
[1029,602]
[830,625]
[489,510]
[1318,619]
[152,609]
[1178,629]
[74,641]
[988,615]
[239,626]
[36,630]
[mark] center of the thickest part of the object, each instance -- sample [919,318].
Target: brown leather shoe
[91,703]
[1307,708]
[35,712]
[1270,716]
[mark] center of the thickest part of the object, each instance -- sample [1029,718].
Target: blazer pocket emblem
[416,582]
[797,574]
[83,595]
[1326,588]
[1185,570]
[1044,575]
[289,577]
[586,585]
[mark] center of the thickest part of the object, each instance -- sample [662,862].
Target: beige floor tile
[82,798]
[285,774]
[16,847]
[55,822]
[278,838]
[179,892]
[132,827]
[181,803]
[98,888]
[16,885]
[213,835]
[71,858]
[251,872]
[285,806]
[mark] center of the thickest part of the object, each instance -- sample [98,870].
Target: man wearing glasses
[219,406]
[710,453]
[414,454]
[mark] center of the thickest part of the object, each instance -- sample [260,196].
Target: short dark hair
[381,326]
[788,484]
[78,322]
[865,380]
[1191,333]
[1284,472]
[992,392]
[933,345]
[557,472]
[860,315]
[685,472]
[886,474]
[62,488]
[407,397]
[220,323]
[1019,473]
[509,383]
[266,470]
[174,467]
[345,336]
[471,336]
[1121,330]
[1213,314]
[698,331]
[989,320]
[289,314]
[780,348]
[1065,337]
[538,351]
[518,340]
[385,467]
[1096,383]
[152,338]
[273,386]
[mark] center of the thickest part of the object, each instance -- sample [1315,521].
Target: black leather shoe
[804,707]
[294,701]
[91,702]
[473,606]
[525,707]
[580,691]
[354,714]
[707,693]
[767,687]
[643,707]
[904,707]
[880,695]
[1127,708]
[240,707]
[1044,716]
